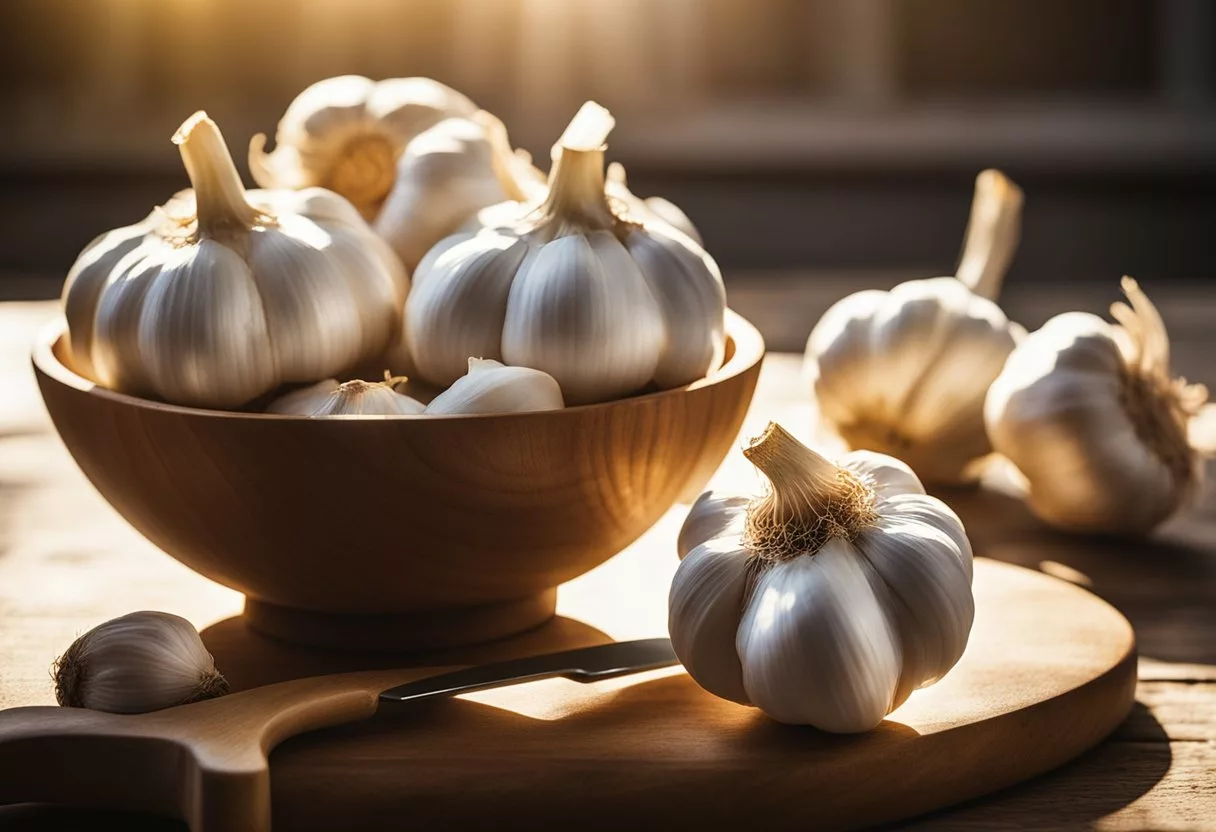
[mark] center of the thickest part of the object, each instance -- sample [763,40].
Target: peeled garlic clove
[905,372]
[353,398]
[1090,415]
[491,387]
[574,287]
[705,606]
[840,590]
[140,662]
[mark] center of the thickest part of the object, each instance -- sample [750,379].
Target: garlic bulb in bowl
[576,289]
[351,398]
[1089,414]
[222,295]
[417,159]
[830,598]
[905,372]
[491,387]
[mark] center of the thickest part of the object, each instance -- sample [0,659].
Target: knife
[207,762]
[588,664]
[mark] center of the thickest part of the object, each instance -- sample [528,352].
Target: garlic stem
[810,502]
[576,199]
[992,234]
[503,160]
[218,192]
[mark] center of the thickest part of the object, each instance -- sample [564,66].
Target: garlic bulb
[604,305]
[905,372]
[143,661]
[417,159]
[1089,414]
[829,599]
[352,398]
[222,295]
[650,209]
[491,387]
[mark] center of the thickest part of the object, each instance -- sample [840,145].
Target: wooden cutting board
[1050,670]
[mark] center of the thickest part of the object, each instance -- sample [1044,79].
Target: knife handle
[205,763]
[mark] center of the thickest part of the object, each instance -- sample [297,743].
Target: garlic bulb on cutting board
[140,662]
[830,598]
[351,398]
[603,304]
[491,387]
[221,295]
[905,372]
[417,158]
[1090,415]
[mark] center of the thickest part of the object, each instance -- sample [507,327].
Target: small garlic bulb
[222,295]
[905,372]
[351,398]
[1090,415]
[603,304]
[491,387]
[143,661]
[830,598]
[417,158]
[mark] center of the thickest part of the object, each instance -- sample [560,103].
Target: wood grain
[58,578]
[474,519]
[1049,672]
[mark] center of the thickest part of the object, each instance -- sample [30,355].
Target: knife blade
[587,664]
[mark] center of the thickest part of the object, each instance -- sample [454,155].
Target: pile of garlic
[225,298]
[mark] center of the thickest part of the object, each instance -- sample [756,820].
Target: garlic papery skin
[1090,415]
[492,387]
[828,599]
[417,158]
[351,398]
[605,305]
[905,372]
[222,295]
[347,134]
[143,661]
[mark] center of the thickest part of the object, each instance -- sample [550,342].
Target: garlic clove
[921,508]
[141,662]
[933,609]
[712,515]
[458,305]
[816,645]
[887,476]
[581,311]
[704,609]
[693,308]
[491,387]
[352,398]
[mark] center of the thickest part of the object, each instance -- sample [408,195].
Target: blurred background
[820,145]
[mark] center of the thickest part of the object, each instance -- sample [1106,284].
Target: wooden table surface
[68,562]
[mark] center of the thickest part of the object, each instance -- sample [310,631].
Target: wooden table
[68,562]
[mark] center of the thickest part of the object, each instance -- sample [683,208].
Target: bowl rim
[749,350]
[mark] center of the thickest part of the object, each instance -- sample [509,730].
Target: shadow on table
[1165,585]
[1075,796]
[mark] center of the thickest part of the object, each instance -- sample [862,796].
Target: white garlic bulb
[1089,414]
[222,295]
[905,372]
[351,398]
[491,387]
[604,305]
[417,158]
[143,661]
[829,599]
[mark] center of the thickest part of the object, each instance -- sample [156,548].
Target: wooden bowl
[402,532]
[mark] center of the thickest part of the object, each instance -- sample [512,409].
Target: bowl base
[401,631]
